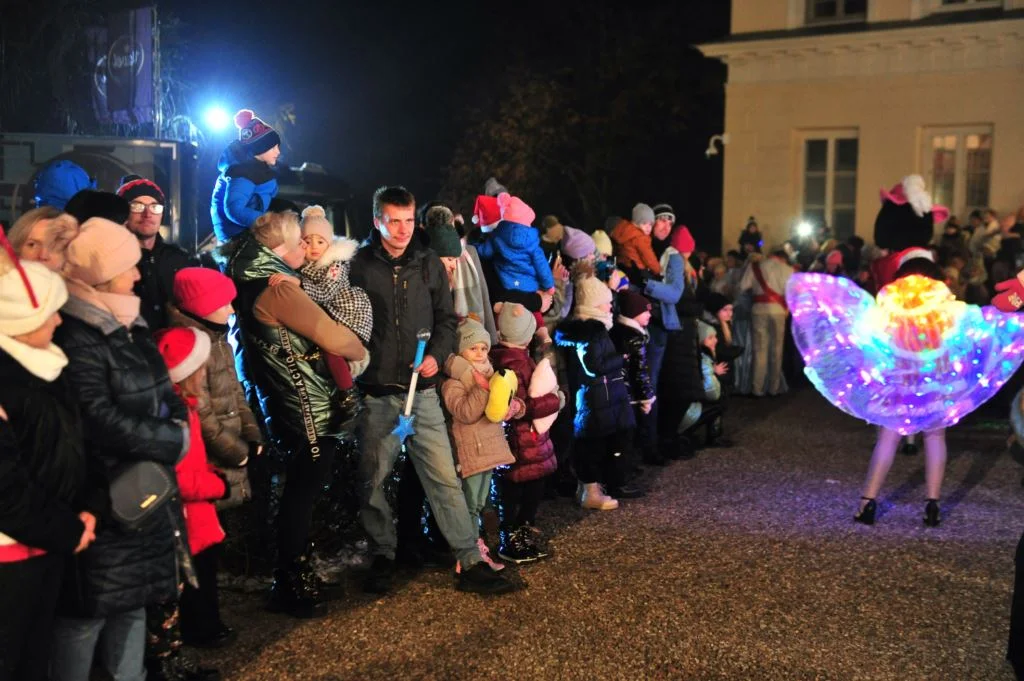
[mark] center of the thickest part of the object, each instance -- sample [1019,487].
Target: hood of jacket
[517,235]
[626,232]
[341,250]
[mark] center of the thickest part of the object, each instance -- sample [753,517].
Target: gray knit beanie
[643,214]
[472,332]
[516,324]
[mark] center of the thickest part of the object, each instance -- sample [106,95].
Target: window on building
[966,4]
[830,182]
[958,166]
[836,10]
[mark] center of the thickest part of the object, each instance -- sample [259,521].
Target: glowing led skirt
[914,360]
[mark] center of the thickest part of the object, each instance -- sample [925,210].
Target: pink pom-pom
[243,118]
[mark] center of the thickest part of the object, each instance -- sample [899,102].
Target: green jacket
[295,398]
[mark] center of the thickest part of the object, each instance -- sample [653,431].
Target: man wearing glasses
[160,260]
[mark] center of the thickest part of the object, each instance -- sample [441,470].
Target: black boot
[932,518]
[178,667]
[295,591]
[380,577]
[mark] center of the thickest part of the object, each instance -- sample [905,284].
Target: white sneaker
[594,498]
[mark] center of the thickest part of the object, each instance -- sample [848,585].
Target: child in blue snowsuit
[247,183]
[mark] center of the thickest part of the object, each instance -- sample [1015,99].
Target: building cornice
[918,49]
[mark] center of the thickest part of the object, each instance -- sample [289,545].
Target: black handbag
[138,491]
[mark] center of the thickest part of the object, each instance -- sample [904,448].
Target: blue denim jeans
[431,455]
[122,646]
[477,488]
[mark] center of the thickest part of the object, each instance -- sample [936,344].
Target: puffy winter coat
[229,428]
[407,295]
[480,445]
[155,286]
[243,191]
[295,397]
[597,378]
[518,258]
[632,342]
[633,248]
[130,413]
[200,486]
[534,452]
[667,292]
[45,476]
[326,282]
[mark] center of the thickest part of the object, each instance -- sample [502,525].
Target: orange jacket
[633,247]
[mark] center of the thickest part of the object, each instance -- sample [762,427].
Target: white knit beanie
[28,300]
[591,292]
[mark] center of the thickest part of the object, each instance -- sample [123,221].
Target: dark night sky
[381,88]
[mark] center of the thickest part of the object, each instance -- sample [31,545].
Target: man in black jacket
[408,289]
[160,260]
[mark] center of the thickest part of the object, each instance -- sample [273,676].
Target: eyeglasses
[139,207]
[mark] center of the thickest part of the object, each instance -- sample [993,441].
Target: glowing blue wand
[404,428]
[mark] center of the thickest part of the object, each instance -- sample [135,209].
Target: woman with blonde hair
[42,235]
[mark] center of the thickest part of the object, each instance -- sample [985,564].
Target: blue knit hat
[58,182]
[255,135]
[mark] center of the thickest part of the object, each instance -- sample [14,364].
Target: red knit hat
[486,211]
[682,240]
[200,290]
[184,349]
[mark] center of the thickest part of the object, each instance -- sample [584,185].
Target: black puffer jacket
[45,480]
[633,343]
[155,286]
[130,413]
[407,295]
[597,378]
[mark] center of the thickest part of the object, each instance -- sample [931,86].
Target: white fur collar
[341,250]
[631,323]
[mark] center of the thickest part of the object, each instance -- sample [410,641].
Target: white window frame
[938,6]
[831,135]
[854,19]
[959,207]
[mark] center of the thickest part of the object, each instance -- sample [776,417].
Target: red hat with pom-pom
[184,349]
[486,211]
[256,135]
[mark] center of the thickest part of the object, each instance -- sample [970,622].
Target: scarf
[485,367]
[45,363]
[466,294]
[669,252]
[124,308]
[587,312]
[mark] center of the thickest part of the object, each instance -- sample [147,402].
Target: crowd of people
[506,356]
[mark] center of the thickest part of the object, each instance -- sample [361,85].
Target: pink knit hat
[513,209]
[201,290]
[314,221]
[184,349]
[101,251]
[682,240]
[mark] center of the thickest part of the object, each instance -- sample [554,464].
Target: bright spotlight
[804,229]
[217,118]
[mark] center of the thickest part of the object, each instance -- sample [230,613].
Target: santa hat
[134,186]
[514,209]
[255,135]
[907,217]
[30,293]
[185,350]
[314,221]
[486,211]
[101,251]
[682,240]
[200,291]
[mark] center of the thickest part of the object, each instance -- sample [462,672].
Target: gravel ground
[742,563]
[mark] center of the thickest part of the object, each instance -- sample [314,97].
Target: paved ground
[740,564]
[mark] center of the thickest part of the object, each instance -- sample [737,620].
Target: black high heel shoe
[931,513]
[867,514]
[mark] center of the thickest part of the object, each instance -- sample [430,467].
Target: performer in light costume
[914,360]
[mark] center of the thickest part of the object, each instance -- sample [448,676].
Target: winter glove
[516,409]
[1011,297]
[358,366]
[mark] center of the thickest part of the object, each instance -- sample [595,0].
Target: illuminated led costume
[914,360]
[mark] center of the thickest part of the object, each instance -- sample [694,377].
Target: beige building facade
[827,101]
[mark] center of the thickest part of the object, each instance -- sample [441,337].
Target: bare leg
[881,462]
[934,461]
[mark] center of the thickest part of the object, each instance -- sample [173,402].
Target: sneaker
[380,577]
[517,548]
[481,579]
[535,539]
